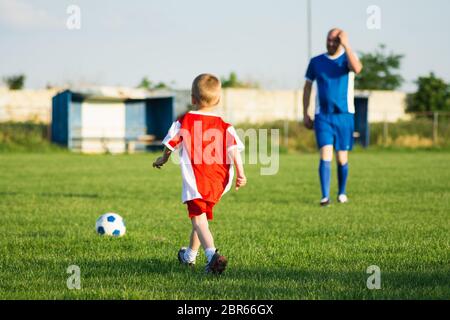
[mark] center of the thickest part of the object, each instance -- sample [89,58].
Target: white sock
[190,255]
[209,252]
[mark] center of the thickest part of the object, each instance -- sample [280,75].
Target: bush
[25,136]
[433,94]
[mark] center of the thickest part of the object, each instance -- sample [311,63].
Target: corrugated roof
[119,93]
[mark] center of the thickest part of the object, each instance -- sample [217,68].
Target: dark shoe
[324,202]
[217,264]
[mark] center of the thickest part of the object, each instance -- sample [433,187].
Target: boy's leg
[199,212]
[201,227]
[194,243]
[216,262]
[190,253]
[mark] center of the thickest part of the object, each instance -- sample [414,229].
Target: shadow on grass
[8,193]
[52,194]
[123,267]
[144,277]
[68,195]
[280,282]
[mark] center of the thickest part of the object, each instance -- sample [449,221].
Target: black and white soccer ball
[110,224]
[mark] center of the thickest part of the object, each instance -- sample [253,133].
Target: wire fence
[422,129]
[416,130]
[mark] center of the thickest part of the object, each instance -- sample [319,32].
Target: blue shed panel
[135,120]
[159,116]
[362,121]
[60,119]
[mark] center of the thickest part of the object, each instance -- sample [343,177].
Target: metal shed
[98,121]
[361,132]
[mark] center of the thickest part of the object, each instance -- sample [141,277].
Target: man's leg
[326,156]
[325,139]
[344,125]
[342,164]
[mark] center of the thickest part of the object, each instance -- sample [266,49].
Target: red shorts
[197,207]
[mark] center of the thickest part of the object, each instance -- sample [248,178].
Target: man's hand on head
[343,39]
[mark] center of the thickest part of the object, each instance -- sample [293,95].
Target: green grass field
[280,243]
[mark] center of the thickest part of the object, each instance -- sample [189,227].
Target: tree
[145,84]
[15,82]
[380,70]
[150,85]
[234,82]
[161,85]
[433,94]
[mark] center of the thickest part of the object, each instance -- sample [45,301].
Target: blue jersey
[335,84]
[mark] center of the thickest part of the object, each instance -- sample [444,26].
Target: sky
[121,41]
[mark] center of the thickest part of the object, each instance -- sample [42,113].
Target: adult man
[334,73]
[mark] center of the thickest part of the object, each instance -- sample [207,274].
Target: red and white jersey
[204,140]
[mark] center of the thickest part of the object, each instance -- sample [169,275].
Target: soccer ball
[110,224]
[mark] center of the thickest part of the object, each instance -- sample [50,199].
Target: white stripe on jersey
[351,92]
[173,131]
[190,190]
[316,86]
[239,145]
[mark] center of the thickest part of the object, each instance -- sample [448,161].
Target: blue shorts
[335,129]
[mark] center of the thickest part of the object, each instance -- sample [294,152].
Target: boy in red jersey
[208,149]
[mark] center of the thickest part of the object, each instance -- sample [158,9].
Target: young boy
[208,149]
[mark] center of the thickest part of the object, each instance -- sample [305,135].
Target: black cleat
[217,264]
[324,202]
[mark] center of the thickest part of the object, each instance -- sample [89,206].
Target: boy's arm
[241,179]
[163,159]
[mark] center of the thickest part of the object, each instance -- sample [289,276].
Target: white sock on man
[209,252]
[190,255]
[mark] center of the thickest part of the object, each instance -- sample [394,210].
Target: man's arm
[354,63]
[306,100]
[163,159]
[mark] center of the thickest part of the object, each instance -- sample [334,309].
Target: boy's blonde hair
[206,90]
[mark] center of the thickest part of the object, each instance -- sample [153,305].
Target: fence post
[435,128]
[286,135]
[385,132]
